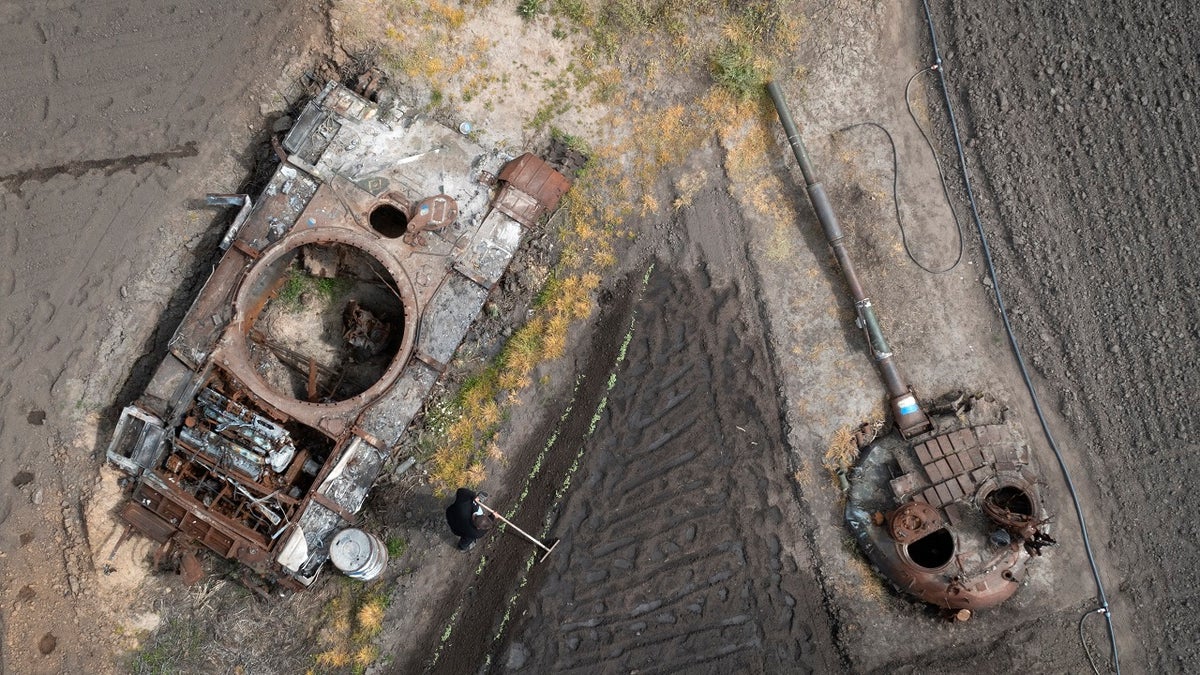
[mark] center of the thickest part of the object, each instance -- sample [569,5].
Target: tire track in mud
[473,619]
[683,548]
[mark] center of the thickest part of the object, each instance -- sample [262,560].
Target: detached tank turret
[949,511]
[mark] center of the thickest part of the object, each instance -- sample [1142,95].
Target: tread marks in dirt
[680,546]
[471,625]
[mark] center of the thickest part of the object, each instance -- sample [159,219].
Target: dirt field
[676,451]
[684,546]
[118,117]
[1079,117]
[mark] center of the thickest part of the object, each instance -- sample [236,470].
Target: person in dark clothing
[467,519]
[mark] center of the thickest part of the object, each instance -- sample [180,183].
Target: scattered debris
[261,443]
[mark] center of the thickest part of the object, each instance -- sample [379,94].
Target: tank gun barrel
[909,417]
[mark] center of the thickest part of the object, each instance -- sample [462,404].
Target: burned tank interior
[300,364]
[330,324]
[241,464]
[933,550]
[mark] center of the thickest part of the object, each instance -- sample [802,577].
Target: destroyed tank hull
[344,290]
[953,517]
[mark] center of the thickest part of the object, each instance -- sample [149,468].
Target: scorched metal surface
[261,444]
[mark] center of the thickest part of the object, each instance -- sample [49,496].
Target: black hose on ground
[896,180]
[1012,341]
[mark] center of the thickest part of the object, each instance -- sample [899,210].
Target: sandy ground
[118,117]
[676,452]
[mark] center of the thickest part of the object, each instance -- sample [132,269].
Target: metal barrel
[358,555]
[909,418]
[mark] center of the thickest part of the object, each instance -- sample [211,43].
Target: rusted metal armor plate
[244,464]
[530,188]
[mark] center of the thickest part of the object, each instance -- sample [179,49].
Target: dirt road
[684,546]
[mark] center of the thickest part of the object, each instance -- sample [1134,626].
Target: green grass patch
[396,546]
[570,141]
[574,10]
[299,283]
[530,9]
[173,650]
[735,67]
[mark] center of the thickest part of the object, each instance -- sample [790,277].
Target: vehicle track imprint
[685,547]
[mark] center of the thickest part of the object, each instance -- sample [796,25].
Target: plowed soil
[1081,118]
[684,546]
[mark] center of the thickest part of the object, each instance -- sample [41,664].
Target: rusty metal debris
[950,511]
[529,188]
[944,499]
[346,287]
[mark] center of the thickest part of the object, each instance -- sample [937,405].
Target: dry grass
[352,620]
[479,407]
[869,584]
[847,441]
[686,188]
[619,51]
[841,453]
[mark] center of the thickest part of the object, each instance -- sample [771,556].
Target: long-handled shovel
[547,549]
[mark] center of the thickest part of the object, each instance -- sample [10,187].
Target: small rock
[22,479]
[47,644]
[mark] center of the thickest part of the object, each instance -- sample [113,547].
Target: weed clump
[396,546]
[353,619]
[735,67]
[174,649]
[299,283]
[529,9]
